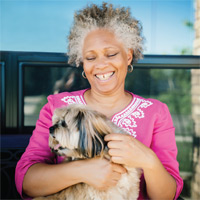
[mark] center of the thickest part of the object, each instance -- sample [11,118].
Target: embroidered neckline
[126,118]
[124,109]
[79,99]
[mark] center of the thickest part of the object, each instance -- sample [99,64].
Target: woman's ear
[130,56]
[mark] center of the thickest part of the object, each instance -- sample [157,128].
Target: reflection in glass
[41,81]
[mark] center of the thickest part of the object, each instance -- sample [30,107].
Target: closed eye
[90,58]
[109,56]
[112,55]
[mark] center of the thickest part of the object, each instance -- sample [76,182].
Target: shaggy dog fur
[78,133]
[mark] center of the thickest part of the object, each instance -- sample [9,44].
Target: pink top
[148,120]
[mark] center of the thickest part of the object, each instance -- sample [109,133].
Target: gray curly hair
[117,20]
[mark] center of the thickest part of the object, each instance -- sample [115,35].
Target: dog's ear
[92,129]
[100,128]
[83,143]
[101,125]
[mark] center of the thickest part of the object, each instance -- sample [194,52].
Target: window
[2,93]
[28,78]
[39,81]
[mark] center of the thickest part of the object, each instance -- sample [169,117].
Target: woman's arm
[124,149]
[159,163]
[45,179]
[159,183]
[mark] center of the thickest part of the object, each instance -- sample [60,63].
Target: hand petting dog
[125,149]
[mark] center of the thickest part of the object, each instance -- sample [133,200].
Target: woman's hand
[101,173]
[125,149]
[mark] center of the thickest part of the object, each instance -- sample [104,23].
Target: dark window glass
[1,68]
[2,92]
[41,81]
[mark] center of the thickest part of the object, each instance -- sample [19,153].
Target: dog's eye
[63,123]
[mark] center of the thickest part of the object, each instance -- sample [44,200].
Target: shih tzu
[78,133]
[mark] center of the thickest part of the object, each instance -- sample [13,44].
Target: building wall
[195,91]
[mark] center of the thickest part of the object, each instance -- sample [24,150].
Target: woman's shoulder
[154,103]
[66,98]
[151,106]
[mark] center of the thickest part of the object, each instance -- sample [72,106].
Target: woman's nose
[101,63]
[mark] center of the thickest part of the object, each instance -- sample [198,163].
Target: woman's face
[105,61]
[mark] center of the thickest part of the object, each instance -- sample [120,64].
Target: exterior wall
[195,91]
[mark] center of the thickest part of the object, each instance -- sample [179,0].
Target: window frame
[12,102]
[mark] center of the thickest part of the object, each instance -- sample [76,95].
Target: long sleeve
[164,145]
[38,150]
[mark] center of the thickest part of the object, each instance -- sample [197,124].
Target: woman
[106,41]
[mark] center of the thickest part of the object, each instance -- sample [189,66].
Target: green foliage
[41,104]
[186,51]
[185,156]
[174,89]
[189,24]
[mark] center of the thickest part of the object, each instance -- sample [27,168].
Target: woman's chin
[110,89]
[104,86]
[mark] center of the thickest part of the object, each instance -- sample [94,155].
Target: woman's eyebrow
[106,48]
[88,51]
[111,47]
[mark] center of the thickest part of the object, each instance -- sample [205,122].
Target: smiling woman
[106,40]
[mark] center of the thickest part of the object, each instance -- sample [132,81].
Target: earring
[130,69]
[83,75]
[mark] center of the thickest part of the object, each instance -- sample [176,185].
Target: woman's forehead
[101,39]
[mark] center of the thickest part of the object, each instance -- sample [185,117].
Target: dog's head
[78,132]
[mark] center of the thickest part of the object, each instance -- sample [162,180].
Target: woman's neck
[108,104]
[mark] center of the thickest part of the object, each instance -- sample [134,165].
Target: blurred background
[33,65]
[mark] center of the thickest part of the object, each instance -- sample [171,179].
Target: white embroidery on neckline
[126,119]
[73,100]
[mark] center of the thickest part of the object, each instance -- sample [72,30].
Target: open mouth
[104,77]
[59,150]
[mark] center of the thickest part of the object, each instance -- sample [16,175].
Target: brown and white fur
[78,133]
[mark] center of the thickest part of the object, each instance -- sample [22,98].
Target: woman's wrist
[78,173]
[152,161]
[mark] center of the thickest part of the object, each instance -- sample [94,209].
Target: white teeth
[104,77]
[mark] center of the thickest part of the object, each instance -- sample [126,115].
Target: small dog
[78,133]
